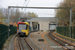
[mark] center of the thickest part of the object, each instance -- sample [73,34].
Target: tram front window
[23,26]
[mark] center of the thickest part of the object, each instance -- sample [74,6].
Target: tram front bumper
[22,33]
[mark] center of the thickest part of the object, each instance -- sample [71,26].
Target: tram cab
[23,28]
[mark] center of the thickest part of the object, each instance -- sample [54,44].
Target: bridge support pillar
[31,26]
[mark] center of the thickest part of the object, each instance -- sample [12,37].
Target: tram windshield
[23,26]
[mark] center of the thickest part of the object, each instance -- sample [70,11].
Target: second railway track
[62,43]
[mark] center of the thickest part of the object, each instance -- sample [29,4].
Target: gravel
[42,44]
[33,43]
[52,44]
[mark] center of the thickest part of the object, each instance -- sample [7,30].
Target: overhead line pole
[8,21]
[70,23]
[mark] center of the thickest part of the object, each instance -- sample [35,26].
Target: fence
[4,33]
[66,31]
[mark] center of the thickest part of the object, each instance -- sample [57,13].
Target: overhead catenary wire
[25,6]
[27,3]
[24,2]
[45,13]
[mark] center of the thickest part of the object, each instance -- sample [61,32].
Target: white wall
[44,25]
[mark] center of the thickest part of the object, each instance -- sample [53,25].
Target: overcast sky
[37,3]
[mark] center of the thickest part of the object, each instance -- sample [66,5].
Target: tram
[23,28]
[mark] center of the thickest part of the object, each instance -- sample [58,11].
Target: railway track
[65,45]
[20,44]
[23,44]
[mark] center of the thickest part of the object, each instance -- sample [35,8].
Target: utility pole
[71,23]
[8,20]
